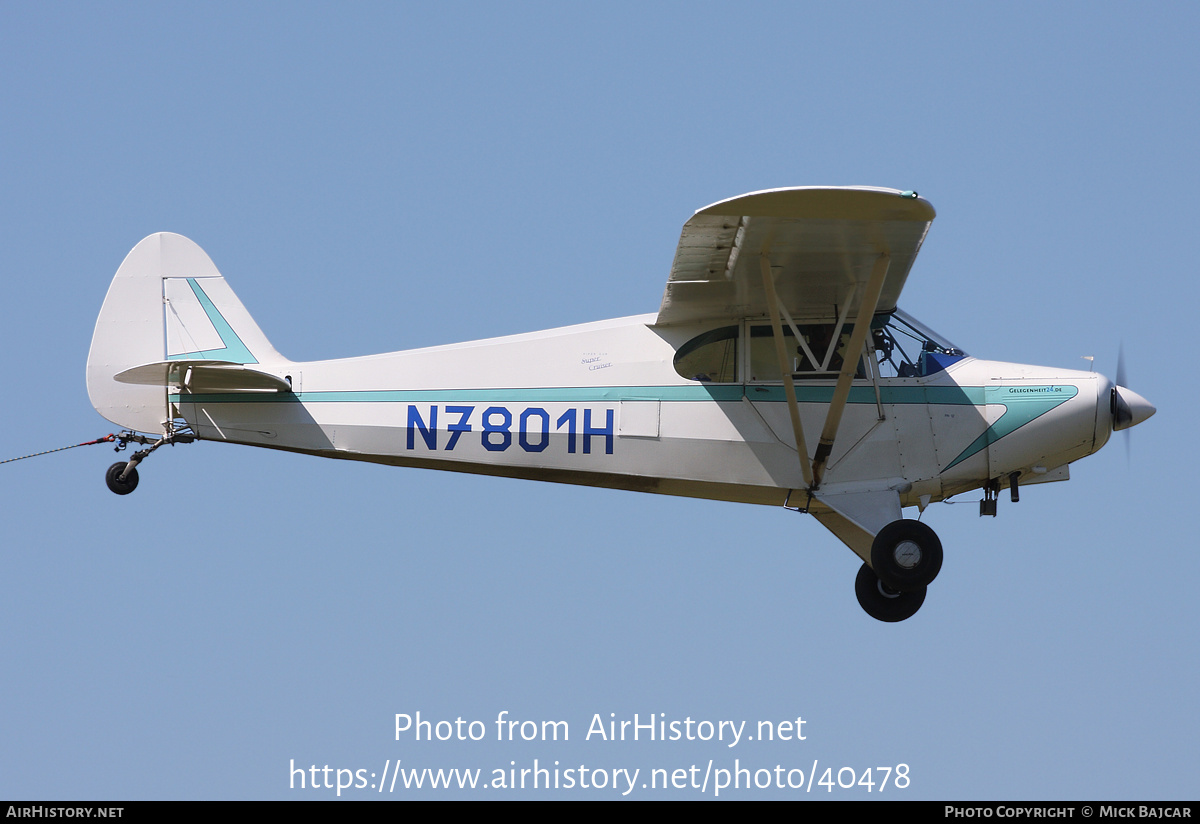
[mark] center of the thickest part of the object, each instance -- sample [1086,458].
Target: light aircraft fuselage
[778,371]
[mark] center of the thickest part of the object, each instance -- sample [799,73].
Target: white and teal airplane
[777,371]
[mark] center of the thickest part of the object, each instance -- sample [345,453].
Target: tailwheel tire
[882,602]
[906,555]
[113,478]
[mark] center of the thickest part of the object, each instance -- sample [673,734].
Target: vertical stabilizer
[166,302]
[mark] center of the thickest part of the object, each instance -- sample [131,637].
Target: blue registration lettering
[523,435]
[429,434]
[456,429]
[496,435]
[503,429]
[588,432]
[568,418]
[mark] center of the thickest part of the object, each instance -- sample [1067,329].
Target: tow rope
[110,438]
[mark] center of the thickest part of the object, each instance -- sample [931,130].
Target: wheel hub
[886,591]
[907,554]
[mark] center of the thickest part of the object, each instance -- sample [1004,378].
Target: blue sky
[375,177]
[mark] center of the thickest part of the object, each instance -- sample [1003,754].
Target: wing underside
[821,242]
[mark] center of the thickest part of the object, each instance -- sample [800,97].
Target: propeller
[1122,414]
[1128,408]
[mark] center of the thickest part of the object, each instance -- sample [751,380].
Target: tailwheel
[119,485]
[882,602]
[122,477]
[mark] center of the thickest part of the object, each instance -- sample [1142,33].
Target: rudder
[166,302]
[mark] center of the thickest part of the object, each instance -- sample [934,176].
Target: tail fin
[167,302]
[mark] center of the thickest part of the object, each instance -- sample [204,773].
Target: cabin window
[819,357]
[906,348]
[711,357]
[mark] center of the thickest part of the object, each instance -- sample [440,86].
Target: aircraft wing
[822,243]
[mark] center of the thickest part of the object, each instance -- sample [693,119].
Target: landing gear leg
[122,477]
[884,603]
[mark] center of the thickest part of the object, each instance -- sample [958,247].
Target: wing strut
[841,393]
[854,352]
[785,368]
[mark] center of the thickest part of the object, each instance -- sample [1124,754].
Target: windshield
[907,348]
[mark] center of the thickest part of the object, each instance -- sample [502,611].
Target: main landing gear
[122,477]
[882,602]
[906,556]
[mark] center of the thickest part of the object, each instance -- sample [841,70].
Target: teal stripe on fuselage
[553,394]
[945,395]
[1019,409]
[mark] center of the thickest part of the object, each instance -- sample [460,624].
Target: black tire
[882,602]
[113,478]
[906,555]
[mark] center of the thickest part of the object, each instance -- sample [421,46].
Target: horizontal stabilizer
[204,376]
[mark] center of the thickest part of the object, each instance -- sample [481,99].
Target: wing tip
[828,202]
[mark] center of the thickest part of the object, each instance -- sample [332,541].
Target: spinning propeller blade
[1128,408]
